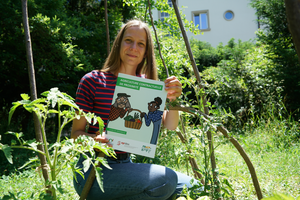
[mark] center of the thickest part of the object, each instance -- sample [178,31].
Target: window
[201,20]
[228,15]
[164,15]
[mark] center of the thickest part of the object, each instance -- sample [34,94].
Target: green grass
[273,148]
[278,170]
[29,184]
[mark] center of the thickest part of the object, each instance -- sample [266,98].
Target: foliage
[278,40]
[244,86]
[61,153]
[206,56]
[68,39]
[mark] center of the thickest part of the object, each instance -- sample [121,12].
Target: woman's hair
[147,66]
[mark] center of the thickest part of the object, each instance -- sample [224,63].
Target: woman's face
[133,47]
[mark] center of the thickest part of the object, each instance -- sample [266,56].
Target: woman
[132,53]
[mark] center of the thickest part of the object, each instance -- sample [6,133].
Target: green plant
[63,152]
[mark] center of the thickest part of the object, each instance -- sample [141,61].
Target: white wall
[242,26]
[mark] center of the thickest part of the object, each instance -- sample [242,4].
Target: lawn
[277,166]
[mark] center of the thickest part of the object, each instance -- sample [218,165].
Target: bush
[244,86]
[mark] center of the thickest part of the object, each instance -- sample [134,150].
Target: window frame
[230,11]
[198,12]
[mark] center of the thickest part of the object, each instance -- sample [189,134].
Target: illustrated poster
[136,115]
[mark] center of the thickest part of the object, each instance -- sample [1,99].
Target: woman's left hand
[173,87]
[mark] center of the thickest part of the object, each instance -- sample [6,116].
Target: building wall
[242,26]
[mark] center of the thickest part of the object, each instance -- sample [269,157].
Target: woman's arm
[174,89]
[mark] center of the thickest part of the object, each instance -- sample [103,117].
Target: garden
[239,131]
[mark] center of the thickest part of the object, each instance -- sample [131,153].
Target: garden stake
[192,161]
[292,9]
[220,128]
[90,180]
[31,73]
[205,107]
[157,41]
[107,30]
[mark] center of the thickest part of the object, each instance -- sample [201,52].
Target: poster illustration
[136,114]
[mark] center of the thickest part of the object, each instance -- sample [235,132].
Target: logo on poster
[110,140]
[146,148]
[122,143]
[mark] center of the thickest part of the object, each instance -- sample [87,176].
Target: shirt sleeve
[85,93]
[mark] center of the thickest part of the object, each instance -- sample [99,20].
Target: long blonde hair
[147,66]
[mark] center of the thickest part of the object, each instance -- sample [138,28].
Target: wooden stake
[33,92]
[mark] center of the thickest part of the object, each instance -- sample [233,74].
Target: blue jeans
[130,181]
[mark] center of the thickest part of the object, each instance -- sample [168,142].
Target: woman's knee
[165,188]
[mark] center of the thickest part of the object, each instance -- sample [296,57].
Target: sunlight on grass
[277,169]
[29,184]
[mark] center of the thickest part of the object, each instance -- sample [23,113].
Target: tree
[293,18]
[68,40]
[275,34]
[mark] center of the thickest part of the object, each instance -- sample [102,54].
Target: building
[219,20]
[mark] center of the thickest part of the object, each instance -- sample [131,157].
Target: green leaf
[103,161]
[53,96]
[25,96]
[33,144]
[7,152]
[31,160]
[18,135]
[52,111]
[86,164]
[101,124]
[65,148]
[99,178]
[12,110]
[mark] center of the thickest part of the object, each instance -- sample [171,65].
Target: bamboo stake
[107,29]
[192,161]
[90,180]
[157,41]
[204,100]
[292,9]
[233,141]
[33,92]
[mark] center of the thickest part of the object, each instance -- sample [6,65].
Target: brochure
[136,115]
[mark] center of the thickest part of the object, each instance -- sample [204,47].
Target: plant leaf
[7,152]
[101,124]
[25,96]
[86,164]
[99,178]
[31,160]
[12,110]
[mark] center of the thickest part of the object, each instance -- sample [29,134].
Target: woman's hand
[173,87]
[101,138]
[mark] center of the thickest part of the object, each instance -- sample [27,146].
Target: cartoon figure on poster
[120,107]
[155,116]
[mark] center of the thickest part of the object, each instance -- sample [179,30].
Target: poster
[136,115]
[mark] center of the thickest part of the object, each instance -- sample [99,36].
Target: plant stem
[29,148]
